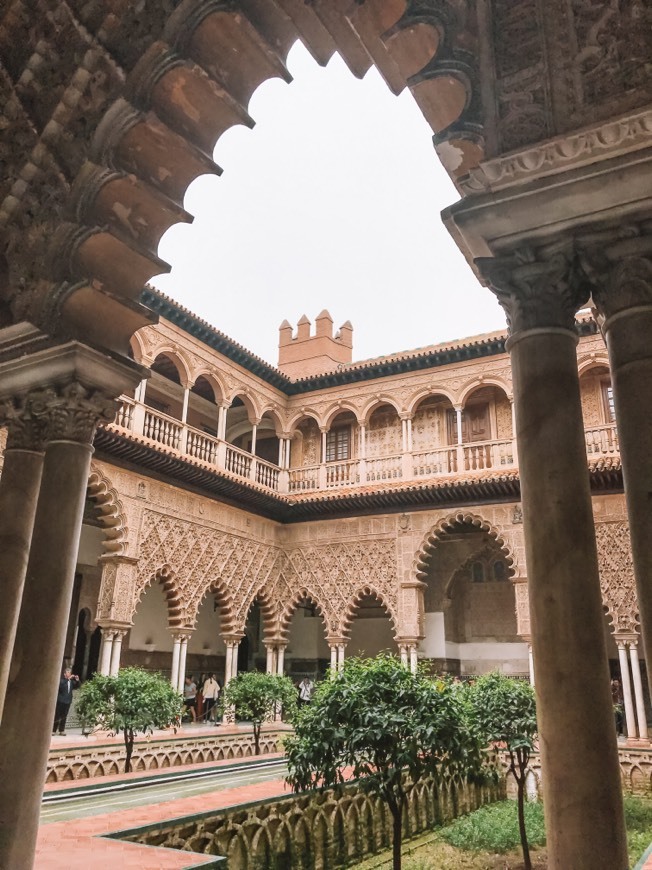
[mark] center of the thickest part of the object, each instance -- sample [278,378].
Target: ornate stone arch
[220,591]
[168,580]
[111,510]
[268,609]
[438,531]
[339,407]
[297,416]
[593,360]
[286,614]
[177,356]
[422,393]
[368,590]
[378,401]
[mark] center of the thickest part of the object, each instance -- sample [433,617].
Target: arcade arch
[369,626]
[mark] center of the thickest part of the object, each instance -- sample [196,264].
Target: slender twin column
[337,647]
[179,654]
[635,722]
[275,658]
[19,487]
[72,413]
[619,263]
[408,653]
[541,292]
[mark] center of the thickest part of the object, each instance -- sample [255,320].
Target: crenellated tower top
[305,354]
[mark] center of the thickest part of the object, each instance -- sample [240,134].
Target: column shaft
[334,658]
[115,653]
[38,648]
[183,652]
[641,714]
[530,661]
[280,660]
[575,710]
[628,342]
[176,653]
[19,485]
[630,719]
[105,652]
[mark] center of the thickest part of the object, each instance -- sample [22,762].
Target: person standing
[211,692]
[190,696]
[67,683]
[306,688]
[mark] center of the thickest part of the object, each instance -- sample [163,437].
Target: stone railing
[438,462]
[313,830]
[91,758]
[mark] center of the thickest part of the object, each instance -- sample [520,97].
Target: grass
[488,839]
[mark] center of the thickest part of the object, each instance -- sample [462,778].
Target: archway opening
[307,653]
[371,629]
[469,606]
[487,433]
[149,642]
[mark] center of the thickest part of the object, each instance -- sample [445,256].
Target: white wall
[151,621]
[480,658]
[90,545]
[433,645]
[206,639]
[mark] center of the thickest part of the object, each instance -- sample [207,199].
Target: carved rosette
[73,412]
[537,289]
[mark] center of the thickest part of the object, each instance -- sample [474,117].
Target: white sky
[331,201]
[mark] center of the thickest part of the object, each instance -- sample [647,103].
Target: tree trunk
[129,745]
[397,833]
[256,738]
[527,863]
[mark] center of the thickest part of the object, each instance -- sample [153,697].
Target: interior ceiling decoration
[110,108]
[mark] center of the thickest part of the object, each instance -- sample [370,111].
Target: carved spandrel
[537,289]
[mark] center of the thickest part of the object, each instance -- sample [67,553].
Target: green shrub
[495,828]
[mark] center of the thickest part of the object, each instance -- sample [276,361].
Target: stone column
[183,652]
[280,659]
[270,667]
[333,649]
[322,462]
[105,651]
[530,662]
[116,649]
[19,485]
[460,448]
[641,713]
[630,720]
[176,658]
[620,266]
[73,412]
[403,652]
[541,292]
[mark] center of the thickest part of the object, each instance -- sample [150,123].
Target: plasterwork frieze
[617,575]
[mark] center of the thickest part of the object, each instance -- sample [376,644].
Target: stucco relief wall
[429,425]
[383,435]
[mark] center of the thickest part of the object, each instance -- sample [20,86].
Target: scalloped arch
[349,612]
[439,531]
[301,595]
[268,609]
[168,580]
[112,513]
[226,606]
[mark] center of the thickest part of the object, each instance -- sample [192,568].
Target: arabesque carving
[617,575]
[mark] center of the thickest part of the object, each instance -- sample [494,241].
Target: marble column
[19,486]
[116,650]
[403,652]
[183,652]
[541,293]
[280,659]
[626,684]
[641,713]
[530,662]
[333,649]
[460,448]
[73,412]
[621,273]
[105,651]
[270,666]
[176,657]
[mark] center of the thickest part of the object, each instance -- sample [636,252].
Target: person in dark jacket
[67,683]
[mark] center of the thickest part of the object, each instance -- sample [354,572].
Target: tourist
[67,683]
[211,692]
[617,701]
[306,688]
[190,696]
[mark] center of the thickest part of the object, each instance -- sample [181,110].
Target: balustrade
[384,468]
[440,461]
[602,441]
[161,428]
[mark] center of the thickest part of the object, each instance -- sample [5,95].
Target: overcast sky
[331,201]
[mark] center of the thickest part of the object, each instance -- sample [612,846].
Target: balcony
[442,462]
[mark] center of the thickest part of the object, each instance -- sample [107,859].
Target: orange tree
[133,702]
[255,697]
[506,713]
[387,728]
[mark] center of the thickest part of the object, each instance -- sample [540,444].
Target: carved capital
[537,289]
[618,265]
[25,418]
[73,412]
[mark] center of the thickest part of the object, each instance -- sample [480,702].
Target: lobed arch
[366,591]
[268,610]
[111,511]
[166,576]
[377,402]
[412,404]
[221,593]
[438,532]
[300,596]
[141,146]
[479,383]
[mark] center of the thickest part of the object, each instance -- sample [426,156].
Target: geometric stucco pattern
[617,575]
[239,571]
